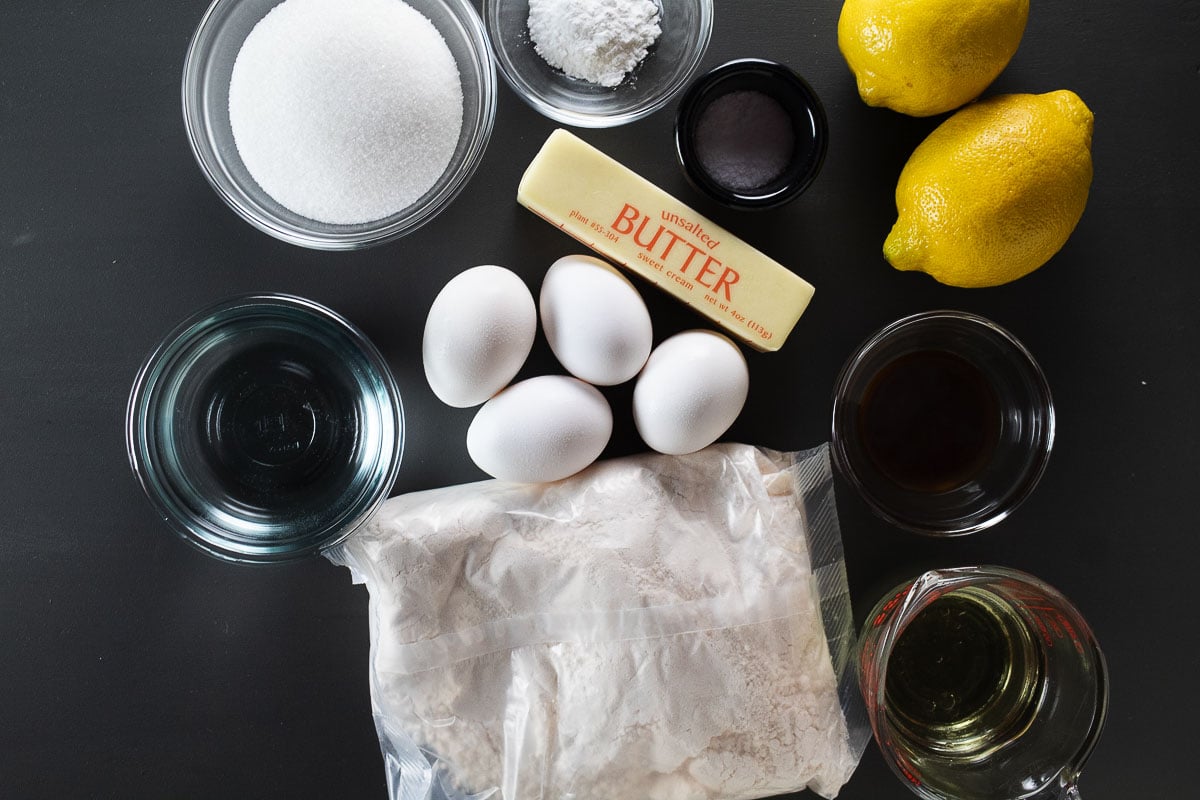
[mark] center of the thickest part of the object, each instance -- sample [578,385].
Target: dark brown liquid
[930,421]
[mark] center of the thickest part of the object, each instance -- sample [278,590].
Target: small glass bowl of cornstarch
[339,124]
[598,63]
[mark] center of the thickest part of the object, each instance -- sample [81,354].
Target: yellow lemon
[995,190]
[924,57]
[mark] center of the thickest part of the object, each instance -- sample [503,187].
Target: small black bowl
[793,94]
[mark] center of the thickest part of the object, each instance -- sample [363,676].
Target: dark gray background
[133,667]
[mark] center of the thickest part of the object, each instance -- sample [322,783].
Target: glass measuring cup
[983,683]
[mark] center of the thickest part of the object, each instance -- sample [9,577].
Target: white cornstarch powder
[649,629]
[599,41]
[345,111]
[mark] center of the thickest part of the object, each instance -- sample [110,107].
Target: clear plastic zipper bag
[656,627]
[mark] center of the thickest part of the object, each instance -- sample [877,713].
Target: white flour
[648,630]
[599,41]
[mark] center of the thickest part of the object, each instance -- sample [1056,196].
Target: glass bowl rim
[1022,485]
[691,108]
[584,119]
[368,234]
[138,442]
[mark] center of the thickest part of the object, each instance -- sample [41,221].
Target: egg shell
[539,430]
[595,320]
[691,390]
[478,334]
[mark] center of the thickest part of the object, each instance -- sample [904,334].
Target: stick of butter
[624,217]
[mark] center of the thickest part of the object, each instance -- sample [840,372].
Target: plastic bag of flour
[656,627]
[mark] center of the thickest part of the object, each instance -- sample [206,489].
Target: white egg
[478,334]
[595,320]
[541,429]
[691,390]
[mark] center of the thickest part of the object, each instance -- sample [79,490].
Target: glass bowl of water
[265,429]
[669,64]
[345,123]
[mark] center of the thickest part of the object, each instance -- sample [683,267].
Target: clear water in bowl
[265,430]
[271,431]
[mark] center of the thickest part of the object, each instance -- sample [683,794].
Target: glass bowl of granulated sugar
[598,63]
[339,124]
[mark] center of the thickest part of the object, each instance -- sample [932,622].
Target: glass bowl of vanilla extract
[943,422]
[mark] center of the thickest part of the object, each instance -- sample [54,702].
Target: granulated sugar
[345,111]
[599,41]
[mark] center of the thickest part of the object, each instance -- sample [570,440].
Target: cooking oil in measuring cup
[965,677]
[983,682]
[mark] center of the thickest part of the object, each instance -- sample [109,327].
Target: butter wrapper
[632,222]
